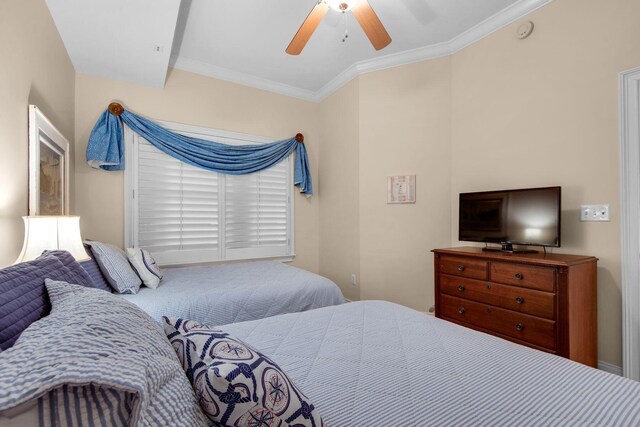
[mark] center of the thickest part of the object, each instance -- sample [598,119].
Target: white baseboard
[608,367]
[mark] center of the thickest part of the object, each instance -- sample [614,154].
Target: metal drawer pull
[461,288]
[519,276]
[461,310]
[520,327]
[461,267]
[519,300]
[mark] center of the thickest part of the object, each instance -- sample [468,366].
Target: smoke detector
[524,30]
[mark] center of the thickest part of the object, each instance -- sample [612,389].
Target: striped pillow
[93,270]
[115,266]
[96,360]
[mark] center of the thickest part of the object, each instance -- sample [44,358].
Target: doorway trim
[630,220]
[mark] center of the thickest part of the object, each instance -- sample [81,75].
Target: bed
[237,292]
[378,364]
[362,364]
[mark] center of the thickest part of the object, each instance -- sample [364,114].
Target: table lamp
[51,233]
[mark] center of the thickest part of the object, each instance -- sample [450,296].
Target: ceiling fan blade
[307,28]
[371,24]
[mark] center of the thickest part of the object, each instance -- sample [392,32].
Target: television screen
[525,217]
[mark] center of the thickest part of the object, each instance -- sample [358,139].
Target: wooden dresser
[544,301]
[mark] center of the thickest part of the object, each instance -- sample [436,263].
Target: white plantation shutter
[178,208]
[183,214]
[256,208]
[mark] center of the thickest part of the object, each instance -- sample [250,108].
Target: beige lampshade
[50,233]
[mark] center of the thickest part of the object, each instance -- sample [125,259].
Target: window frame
[131,185]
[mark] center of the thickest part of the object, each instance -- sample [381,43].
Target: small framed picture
[48,167]
[401,189]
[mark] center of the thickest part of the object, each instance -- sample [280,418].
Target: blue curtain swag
[105,149]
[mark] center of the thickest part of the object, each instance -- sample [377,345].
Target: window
[183,214]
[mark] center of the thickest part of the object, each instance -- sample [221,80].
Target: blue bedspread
[229,293]
[378,364]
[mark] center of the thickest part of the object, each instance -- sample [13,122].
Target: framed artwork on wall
[401,189]
[48,167]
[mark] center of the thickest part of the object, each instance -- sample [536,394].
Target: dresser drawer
[526,328]
[527,301]
[527,276]
[464,267]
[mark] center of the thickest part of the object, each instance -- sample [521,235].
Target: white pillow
[146,267]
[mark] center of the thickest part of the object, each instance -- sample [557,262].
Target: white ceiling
[116,38]
[244,40]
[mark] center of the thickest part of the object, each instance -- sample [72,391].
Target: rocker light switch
[594,213]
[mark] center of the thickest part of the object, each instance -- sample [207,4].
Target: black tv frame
[507,246]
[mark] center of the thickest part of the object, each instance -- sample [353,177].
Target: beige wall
[196,100]
[35,69]
[502,113]
[392,122]
[405,129]
[544,111]
[339,189]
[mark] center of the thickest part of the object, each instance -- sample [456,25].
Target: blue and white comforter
[229,293]
[378,364]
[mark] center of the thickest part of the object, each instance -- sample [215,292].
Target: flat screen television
[528,216]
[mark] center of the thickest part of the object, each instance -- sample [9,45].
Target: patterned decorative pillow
[115,266]
[235,384]
[146,267]
[93,270]
[81,276]
[96,360]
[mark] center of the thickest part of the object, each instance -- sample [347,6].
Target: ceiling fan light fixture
[340,5]
[361,10]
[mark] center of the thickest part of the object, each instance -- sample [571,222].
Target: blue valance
[106,149]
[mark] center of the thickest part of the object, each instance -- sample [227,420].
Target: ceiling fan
[363,13]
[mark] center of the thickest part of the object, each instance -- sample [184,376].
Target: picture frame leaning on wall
[48,166]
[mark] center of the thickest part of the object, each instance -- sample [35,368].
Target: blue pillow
[23,297]
[235,384]
[80,275]
[93,270]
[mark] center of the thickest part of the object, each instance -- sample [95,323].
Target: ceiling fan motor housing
[340,5]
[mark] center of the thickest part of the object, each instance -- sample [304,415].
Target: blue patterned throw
[96,360]
[235,384]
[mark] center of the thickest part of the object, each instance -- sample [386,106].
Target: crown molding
[501,19]
[245,79]
[382,63]
[492,24]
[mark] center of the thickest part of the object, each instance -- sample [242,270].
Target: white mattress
[378,364]
[228,293]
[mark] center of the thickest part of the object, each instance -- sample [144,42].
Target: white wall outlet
[353,280]
[594,213]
